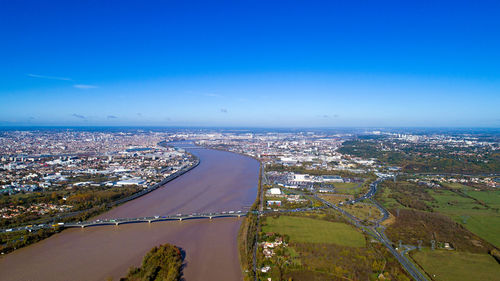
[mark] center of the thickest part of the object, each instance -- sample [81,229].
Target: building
[332,179]
[273,202]
[275,191]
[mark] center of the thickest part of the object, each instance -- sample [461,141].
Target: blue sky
[250,63]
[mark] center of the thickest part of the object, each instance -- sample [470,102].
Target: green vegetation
[346,185]
[246,245]
[467,218]
[162,263]
[415,158]
[320,247]
[350,188]
[363,211]
[302,229]
[404,194]
[10,241]
[454,185]
[335,198]
[478,211]
[445,265]
[335,262]
[247,235]
[86,199]
[413,225]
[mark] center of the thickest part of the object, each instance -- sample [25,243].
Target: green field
[346,184]
[363,211]
[483,221]
[309,230]
[454,185]
[445,265]
[382,196]
[491,198]
[347,187]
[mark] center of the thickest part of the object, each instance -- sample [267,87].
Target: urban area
[332,204]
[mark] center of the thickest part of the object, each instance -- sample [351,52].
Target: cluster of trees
[423,159]
[10,241]
[414,225]
[336,262]
[163,263]
[87,200]
[90,197]
[247,235]
[407,194]
[246,244]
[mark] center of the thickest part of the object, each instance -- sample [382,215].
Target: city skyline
[250,64]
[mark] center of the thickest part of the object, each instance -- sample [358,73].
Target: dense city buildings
[336,187]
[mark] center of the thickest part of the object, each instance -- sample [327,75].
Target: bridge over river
[178,217]
[181,217]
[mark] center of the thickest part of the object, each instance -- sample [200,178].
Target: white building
[275,191]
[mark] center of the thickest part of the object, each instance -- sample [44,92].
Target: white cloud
[84,86]
[49,77]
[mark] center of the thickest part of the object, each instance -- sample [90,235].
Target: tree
[162,263]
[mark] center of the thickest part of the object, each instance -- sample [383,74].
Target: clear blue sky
[250,63]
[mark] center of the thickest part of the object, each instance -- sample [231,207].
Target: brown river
[222,181]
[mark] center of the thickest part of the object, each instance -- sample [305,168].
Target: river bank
[222,181]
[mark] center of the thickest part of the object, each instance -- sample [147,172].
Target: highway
[374,231]
[377,231]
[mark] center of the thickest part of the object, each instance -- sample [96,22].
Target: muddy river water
[222,181]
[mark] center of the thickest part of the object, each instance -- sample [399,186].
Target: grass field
[346,184]
[347,187]
[387,202]
[454,185]
[336,198]
[491,198]
[484,222]
[445,265]
[363,211]
[308,230]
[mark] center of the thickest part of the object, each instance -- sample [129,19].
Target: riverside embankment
[222,181]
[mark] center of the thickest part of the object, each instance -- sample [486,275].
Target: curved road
[376,233]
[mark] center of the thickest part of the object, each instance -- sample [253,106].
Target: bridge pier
[180,219]
[239,216]
[83,226]
[117,223]
[210,217]
[149,221]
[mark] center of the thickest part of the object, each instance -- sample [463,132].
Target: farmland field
[481,220]
[310,230]
[445,265]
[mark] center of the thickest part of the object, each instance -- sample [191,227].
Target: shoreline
[55,227]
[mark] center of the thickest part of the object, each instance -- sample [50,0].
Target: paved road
[377,231]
